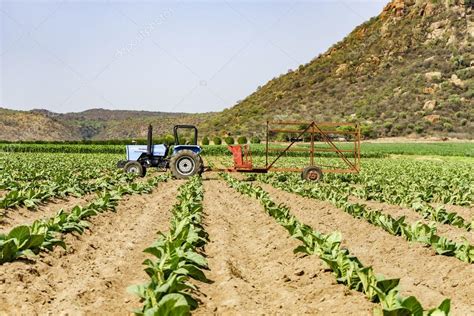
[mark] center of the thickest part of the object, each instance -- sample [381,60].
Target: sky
[172,56]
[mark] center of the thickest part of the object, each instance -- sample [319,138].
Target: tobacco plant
[416,231]
[177,258]
[347,268]
[44,234]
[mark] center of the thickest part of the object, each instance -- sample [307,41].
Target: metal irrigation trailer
[328,133]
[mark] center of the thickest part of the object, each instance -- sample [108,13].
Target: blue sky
[178,56]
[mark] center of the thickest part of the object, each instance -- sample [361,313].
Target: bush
[205,141]
[255,140]
[242,140]
[229,140]
[169,139]
[217,140]
[419,129]
[448,127]
[388,126]
[183,140]
[367,131]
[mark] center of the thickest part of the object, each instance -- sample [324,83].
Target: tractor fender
[194,148]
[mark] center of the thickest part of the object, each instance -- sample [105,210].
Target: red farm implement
[315,141]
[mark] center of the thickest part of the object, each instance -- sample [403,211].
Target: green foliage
[254,140]
[44,234]
[346,268]
[368,150]
[229,140]
[176,258]
[242,140]
[217,140]
[205,141]
[337,193]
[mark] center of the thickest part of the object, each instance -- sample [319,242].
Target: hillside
[94,124]
[408,71]
[99,124]
[20,125]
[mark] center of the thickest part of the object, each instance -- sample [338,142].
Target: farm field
[78,236]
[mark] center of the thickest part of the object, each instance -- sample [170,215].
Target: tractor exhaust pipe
[149,140]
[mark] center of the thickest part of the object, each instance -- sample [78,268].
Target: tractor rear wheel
[185,164]
[312,173]
[201,170]
[135,167]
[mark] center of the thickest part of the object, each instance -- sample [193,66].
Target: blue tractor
[183,160]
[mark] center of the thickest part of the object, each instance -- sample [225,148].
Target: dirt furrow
[253,268]
[23,216]
[91,277]
[449,231]
[429,277]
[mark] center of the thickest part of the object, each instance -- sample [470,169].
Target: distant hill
[407,72]
[94,124]
[22,125]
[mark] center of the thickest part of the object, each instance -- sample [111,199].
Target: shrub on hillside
[182,140]
[229,140]
[168,139]
[217,140]
[205,141]
[255,140]
[242,140]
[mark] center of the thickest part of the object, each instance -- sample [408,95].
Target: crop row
[44,234]
[416,231]
[368,149]
[33,194]
[27,167]
[29,180]
[404,181]
[347,268]
[438,214]
[176,258]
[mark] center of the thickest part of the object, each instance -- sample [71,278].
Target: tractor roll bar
[175,132]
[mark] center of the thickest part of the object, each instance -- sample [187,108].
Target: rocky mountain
[406,72]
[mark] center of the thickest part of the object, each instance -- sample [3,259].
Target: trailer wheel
[135,167]
[185,164]
[312,174]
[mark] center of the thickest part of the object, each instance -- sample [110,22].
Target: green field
[368,150]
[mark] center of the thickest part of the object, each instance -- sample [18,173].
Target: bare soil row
[252,266]
[91,277]
[253,269]
[428,276]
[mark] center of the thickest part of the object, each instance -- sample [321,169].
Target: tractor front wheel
[135,167]
[185,164]
[312,174]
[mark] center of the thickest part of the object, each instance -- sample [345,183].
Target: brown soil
[92,276]
[429,277]
[449,231]
[19,216]
[253,269]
